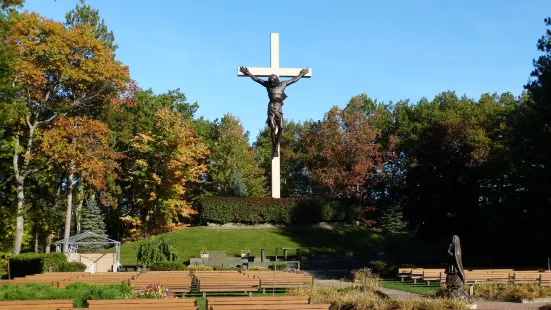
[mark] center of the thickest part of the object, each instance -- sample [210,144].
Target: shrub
[167,266]
[223,210]
[258,268]
[74,267]
[33,263]
[383,269]
[526,291]
[200,268]
[277,266]
[156,249]
[80,292]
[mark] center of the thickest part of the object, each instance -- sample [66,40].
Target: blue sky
[390,49]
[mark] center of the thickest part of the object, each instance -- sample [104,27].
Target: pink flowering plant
[156,291]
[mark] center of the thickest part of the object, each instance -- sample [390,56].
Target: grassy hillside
[365,243]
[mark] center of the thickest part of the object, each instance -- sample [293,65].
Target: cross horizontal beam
[274,63]
[281,72]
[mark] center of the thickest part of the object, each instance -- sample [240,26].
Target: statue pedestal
[276,181]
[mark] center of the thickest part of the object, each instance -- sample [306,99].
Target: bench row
[480,276]
[220,303]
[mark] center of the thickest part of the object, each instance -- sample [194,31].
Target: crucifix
[276,93]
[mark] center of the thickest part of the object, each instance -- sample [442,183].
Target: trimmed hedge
[223,210]
[167,266]
[74,267]
[33,263]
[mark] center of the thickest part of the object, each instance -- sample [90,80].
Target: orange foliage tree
[58,71]
[167,159]
[345,154]
[81,146]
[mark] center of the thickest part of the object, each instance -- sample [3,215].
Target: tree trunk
[78,208]
[20,221]
[68,215]
[36,238]
[48,243]
[20,174]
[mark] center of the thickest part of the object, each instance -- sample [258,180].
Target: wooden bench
[37,304]
[280,279]
[417,273]
[176,281]
[404,273]
[272,307]
[257,300]
[433,275]
[170,303]
[258,303]
[225,281]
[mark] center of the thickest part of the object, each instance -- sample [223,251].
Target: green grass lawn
[190,241]
[408,286]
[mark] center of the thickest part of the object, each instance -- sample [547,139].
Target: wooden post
[262,255]
[285,254]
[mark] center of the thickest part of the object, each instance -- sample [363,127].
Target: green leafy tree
[232,154]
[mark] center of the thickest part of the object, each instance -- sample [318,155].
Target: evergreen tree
[237,186]
[392,221]
[92,221]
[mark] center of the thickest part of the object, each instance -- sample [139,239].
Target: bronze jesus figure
[276,93]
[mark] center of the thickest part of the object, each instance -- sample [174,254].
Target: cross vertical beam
[274,51]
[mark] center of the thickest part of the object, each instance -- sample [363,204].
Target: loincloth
[275,113]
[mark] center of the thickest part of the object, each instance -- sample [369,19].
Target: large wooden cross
[281,72]
[274,63]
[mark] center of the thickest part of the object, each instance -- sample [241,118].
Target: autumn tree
[166,160]
[81,146]
[6,4]
[233,157]
[345,154]
[57,71]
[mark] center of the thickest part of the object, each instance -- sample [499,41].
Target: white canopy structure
[74,241]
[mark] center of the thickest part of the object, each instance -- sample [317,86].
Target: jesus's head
[274,80]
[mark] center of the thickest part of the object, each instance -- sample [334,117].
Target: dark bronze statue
[455,276]
[276,93]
